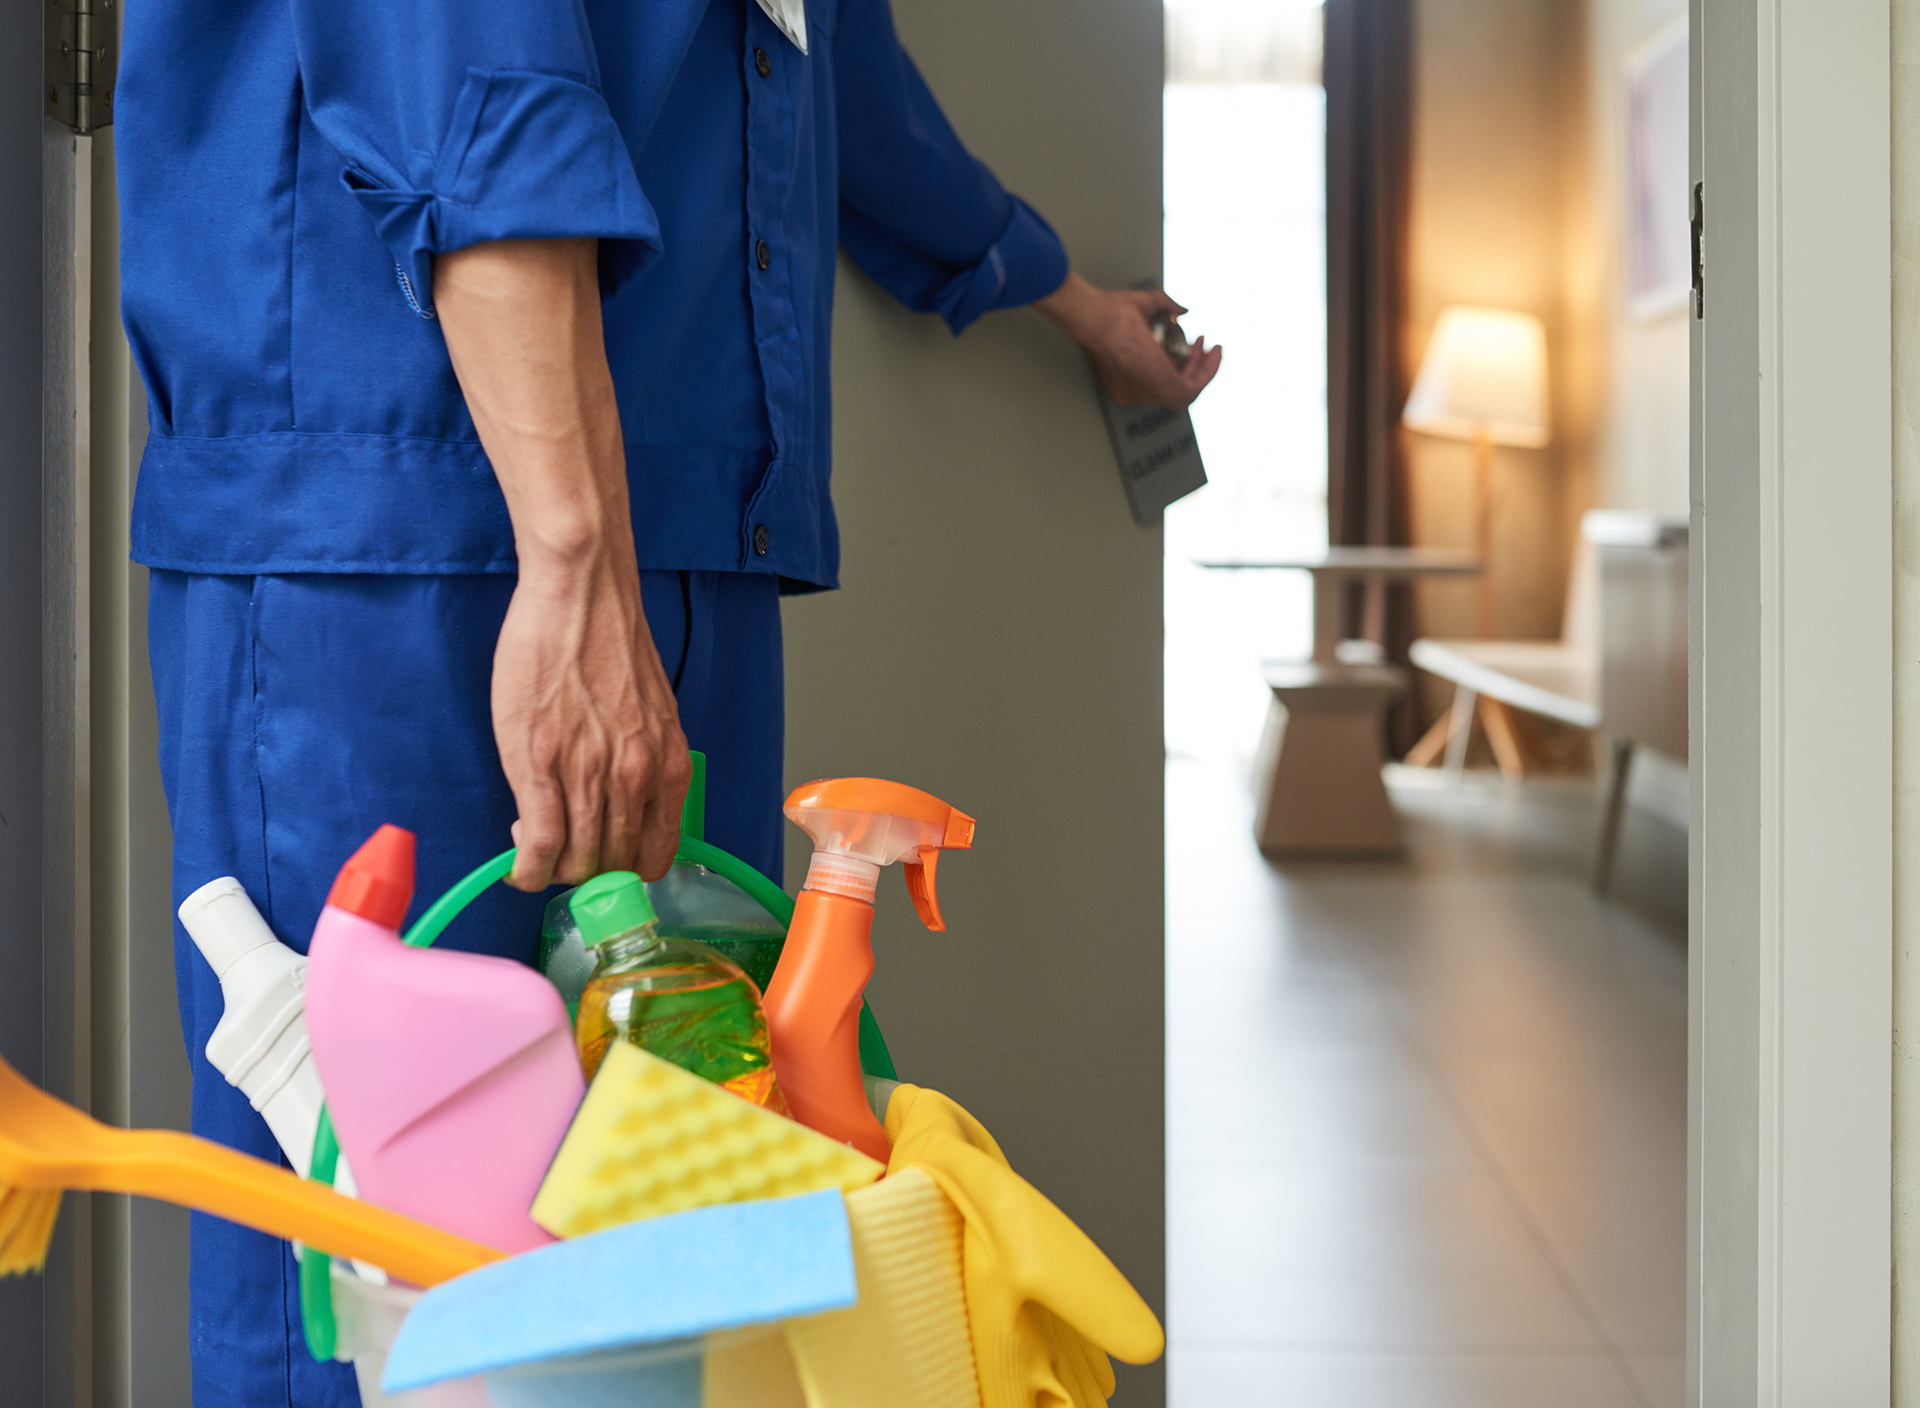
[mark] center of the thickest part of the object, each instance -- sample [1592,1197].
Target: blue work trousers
[298,713]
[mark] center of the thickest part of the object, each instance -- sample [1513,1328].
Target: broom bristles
[27,1216]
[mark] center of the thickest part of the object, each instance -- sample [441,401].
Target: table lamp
[1484,379]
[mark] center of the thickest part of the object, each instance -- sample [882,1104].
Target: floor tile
[1287,1378]
[1322,1106]
[1426,1119]
[1383,1256]
[1621,1234]
[1572,1114]
[1662,1378]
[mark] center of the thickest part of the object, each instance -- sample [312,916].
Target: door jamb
[1791,709]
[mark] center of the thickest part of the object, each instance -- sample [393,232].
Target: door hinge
[83,43]
[1699,231]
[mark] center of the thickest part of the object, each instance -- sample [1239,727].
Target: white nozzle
[223,924]
[871,838]
[843,875]
[860,824]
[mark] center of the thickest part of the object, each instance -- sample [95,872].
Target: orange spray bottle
[858,826]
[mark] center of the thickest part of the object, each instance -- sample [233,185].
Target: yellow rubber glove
[1042,1300]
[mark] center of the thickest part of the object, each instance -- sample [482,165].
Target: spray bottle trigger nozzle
[920,885]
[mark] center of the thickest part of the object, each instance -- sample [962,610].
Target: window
[1246,251]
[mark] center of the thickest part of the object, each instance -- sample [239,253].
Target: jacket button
[762,63]
[762,254]
[760,539]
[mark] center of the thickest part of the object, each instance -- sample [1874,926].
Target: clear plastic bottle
[696,903]
[677,998]
[564,958]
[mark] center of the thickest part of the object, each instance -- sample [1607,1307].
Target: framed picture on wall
[1658,273]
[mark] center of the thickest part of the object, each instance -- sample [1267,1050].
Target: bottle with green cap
[679,999]
[693,900]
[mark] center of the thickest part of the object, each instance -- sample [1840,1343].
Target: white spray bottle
[260,1044]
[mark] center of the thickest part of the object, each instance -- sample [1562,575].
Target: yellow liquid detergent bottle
[679,999]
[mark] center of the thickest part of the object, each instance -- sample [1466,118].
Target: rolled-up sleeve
[919,213]
[460,123]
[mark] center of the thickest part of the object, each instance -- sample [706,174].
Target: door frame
[1790,1055]
[110,1310]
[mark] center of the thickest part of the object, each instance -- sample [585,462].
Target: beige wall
[997,640]
[1641,436]
[1517,181]
[1499,219]
[1906,701]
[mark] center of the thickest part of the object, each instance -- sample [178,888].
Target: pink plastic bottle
[451,1077]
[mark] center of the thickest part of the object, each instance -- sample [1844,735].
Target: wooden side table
[1320,790]
[1317,776]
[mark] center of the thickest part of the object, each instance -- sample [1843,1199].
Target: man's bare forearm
[585,719]
[522,323]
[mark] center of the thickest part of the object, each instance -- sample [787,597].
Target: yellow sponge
[651,1138]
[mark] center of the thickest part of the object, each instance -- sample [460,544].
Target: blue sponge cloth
[713,1268]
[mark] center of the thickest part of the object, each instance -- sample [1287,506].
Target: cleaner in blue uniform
[486,353]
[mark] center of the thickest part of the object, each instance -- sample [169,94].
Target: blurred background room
[1426,1050]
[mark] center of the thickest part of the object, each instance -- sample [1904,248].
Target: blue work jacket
[289,168]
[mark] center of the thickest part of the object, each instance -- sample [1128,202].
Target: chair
[1619,667]
[1643,650]
[1557,679]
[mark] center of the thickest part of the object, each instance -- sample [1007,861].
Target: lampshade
[1485,369]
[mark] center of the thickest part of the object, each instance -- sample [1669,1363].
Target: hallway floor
[1426,1120]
